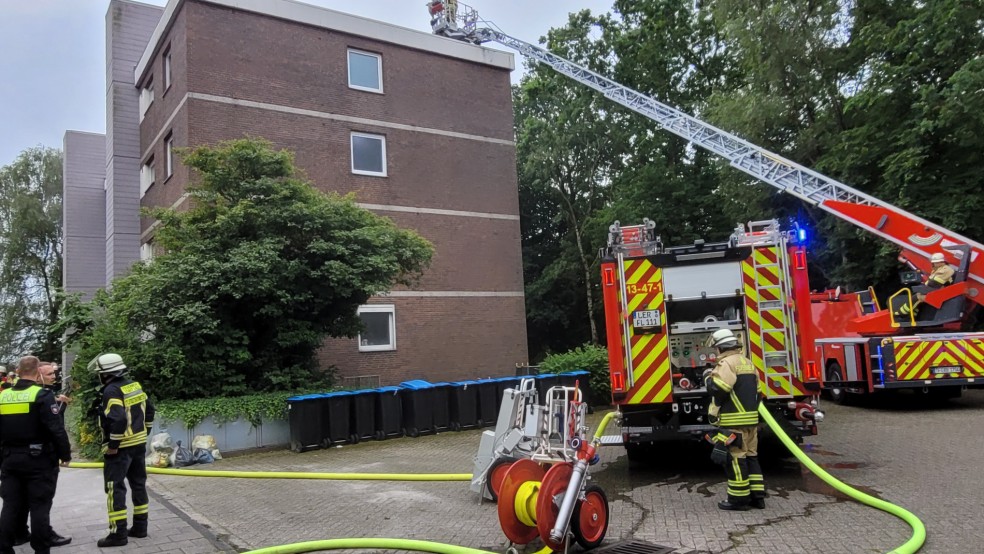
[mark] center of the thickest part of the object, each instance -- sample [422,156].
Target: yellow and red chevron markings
[916,360]
[651,375]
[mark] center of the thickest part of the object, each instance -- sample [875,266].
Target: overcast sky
[53,68]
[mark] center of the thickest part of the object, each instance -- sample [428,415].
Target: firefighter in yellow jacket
[941,276]
[126,416]
[734,388]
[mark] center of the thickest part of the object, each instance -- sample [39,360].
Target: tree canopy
[249,282]
[884,96]
[30,254]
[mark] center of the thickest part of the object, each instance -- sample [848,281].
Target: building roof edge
[293,10]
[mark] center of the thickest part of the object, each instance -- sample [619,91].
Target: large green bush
[589,357]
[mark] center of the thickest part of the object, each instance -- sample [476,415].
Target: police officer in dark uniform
[32,441]
[126,417]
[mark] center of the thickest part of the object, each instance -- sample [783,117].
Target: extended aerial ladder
[918,238]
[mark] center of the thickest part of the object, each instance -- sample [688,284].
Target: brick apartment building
[419,127]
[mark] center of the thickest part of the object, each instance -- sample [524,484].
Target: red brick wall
[226,53]
[441,339]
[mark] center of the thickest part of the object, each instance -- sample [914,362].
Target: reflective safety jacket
[29,416]
[940,277]
[127,415]
[733,385]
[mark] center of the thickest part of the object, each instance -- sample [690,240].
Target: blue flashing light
[881,364]
[802,234]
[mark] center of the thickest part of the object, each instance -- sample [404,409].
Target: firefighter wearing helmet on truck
[941,276]
[126,416]
[733,385]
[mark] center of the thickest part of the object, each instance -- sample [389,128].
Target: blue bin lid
[363,391]
[464,383]
[388,389]
[416,384]
[336,393]
[515,378]
[443,384]
[577,372]
[303,397]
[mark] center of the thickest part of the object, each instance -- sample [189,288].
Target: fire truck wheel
[835,373]
[590,520]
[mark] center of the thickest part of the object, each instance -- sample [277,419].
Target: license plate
[946,369]
[646,318]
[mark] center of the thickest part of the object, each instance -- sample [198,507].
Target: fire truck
[662,302]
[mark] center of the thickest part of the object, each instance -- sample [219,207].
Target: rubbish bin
[363,414]
[304,421]
[418,402]
[336,418]
[543,383]
[464,405]
[488,404]
[501,384]
[581,378]
[389,413]
[441,406]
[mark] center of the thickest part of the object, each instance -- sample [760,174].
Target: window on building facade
[380,327]
[169,154]
[368,154]
[146,98]
[167,69]
[147,251]
[365,71]
[146,176]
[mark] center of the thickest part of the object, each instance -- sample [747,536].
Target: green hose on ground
[385,544]
[918,537]
[294,474]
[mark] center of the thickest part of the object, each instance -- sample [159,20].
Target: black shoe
[727,505]
[112,540]
[138,533]
[758,503]
[56,540]
[22,539]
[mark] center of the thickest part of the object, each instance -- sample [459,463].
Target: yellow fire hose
[295,474]
[918,537]
[910,546]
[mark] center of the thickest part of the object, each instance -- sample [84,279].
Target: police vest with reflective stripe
[20,424]
[740,408]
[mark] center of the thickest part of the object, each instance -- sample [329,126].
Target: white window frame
[169,155]
[380,308]
[379,69]
[147,252]
[147,176]
[382,139]
[167,70]
[146,99]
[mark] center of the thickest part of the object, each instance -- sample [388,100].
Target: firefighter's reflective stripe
[142,509]
[738,482]
[651,372]
[916,360]
[113,402]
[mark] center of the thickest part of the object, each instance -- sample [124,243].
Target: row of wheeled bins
[412,409]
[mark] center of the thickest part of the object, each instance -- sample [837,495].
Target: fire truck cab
[662,304]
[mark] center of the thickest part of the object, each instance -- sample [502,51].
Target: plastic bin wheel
[326,443]
[412,432]
[353,439]
[379,435]
[455,426]
[296,446]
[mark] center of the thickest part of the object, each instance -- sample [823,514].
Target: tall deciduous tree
[569,141]
[30,253]
[253,278]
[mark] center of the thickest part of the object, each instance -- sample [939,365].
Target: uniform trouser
[129,465]
[744,472]
[20,529]
[26,482]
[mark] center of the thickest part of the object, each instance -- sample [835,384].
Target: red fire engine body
[663,303]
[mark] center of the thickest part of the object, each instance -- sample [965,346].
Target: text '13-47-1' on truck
[661,303]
